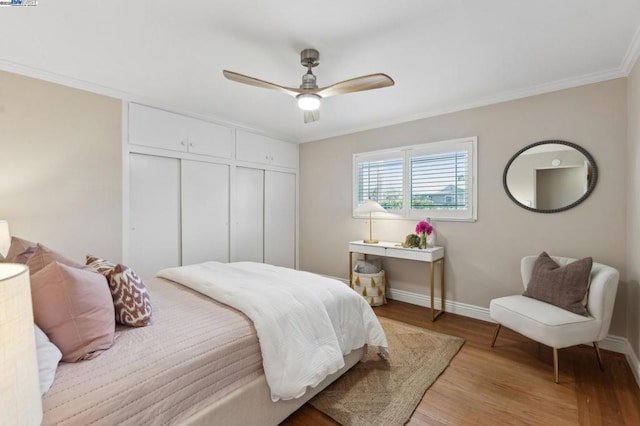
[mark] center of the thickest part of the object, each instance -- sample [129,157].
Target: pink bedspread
[195,351]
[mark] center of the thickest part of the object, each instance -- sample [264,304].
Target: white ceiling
[444,55]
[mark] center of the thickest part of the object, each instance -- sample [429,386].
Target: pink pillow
[20,250]
[74,308]
[44,256]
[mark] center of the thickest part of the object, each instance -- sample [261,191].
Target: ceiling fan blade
[358,84]
[245,79]
[311,116]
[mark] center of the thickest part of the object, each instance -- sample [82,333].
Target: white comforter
[305,322]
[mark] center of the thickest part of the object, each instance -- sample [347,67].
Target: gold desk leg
[555,365]
[434,314]
[442,285]
[350,268]
[431,278]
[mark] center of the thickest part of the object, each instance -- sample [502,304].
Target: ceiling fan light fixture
[308,101]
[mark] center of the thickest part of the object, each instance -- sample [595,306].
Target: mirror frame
[592,184]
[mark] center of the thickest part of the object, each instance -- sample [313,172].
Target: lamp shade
[5,238]
[308,101]
[369,206]
[20,401]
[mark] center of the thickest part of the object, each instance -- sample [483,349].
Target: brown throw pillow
[130,297]
[20,251]
[563,286]
[74,309]
[102,266]
[131,300]
[44,256]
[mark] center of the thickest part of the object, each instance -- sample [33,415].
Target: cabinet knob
[182,143]
[190,143]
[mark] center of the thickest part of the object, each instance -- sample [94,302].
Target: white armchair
[554,326]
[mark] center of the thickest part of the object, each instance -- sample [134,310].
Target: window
[435,180]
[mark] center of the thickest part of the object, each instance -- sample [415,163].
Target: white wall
[61,167]
[633,213]
[483,257]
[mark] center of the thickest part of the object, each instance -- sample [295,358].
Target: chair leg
[598,355]
[555,364]
[495,334]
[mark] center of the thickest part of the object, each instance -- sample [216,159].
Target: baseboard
[463,309]
[633,361]
[611,343]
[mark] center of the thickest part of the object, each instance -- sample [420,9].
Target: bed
[198,363]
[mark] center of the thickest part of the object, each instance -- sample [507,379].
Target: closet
[199,191]
[266,206]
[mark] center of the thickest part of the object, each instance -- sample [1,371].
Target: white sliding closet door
[205,212]
[280,219]
[249,215]
[154,213]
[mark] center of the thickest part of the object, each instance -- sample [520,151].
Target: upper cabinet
[260,149]
[162,129]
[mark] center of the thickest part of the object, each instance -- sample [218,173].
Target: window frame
[469,144]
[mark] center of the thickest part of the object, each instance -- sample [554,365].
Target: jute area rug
[379,392]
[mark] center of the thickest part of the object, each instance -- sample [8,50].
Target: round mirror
[550,176]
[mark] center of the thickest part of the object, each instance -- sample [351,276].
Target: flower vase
[431,239]
[423,240]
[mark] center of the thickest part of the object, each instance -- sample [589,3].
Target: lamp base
[370,241]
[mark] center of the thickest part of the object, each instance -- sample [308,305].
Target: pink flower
[425,227]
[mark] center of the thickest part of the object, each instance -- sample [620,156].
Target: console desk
[431,255]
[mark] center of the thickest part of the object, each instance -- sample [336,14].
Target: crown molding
[511,95]
[632,54]
[75,83]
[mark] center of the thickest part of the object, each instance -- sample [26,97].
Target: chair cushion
[564,286]
[543,322]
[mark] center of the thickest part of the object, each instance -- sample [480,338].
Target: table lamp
[5,239]
[370,207]
[20,401]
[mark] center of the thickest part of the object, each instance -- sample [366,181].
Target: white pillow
[48,358]
[369,266]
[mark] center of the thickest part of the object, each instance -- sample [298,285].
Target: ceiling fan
[309,94]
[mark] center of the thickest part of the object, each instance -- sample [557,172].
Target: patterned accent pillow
[130,297]
[101,266]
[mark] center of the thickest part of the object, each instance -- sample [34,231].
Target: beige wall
[61,166]
[633,212]
[482,257]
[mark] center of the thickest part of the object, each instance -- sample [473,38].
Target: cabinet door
[249,195]
[280,219]
[252,147]
[205,212]
[156,128]
[154,213]
[210,139]
[284,154]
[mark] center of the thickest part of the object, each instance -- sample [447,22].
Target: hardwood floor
[511,383]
